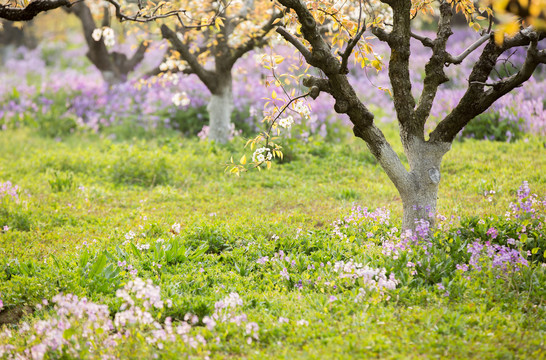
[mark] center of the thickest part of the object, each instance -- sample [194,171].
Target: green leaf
[98,266]
[137,252]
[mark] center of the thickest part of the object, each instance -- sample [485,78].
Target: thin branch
[142,18]
[476,99]
[427,42]
[297,44]
[352,43]
[208,77]
[459,59]
[256,41]
[282,111]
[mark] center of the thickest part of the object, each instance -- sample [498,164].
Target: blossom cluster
[360,216]
[57,335]
[106,34]
[181,99]
[525,205]
[172,65]
[286,122]
[262,154]
[303,109]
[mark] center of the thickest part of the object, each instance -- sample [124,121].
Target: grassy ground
[91,190]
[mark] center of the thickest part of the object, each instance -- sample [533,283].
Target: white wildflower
[176,228]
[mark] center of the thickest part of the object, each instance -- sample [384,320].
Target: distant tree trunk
[114,67]
[17,36]
[220,108]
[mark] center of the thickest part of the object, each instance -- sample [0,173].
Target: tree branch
[206,76]
[399,75]
[28,12]
[459,59]
[434,69]
[142,18]
[427,42]
[317,85]
[346,100]
[297,44]
[137,57]
[256,41]
[381,34]
[352,43]
[476,99]
[97,51]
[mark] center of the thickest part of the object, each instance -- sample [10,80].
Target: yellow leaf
[499,37]
[243,160]
[274,95]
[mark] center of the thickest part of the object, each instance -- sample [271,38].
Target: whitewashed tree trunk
[220,108]
[111,78]
[419,196]
[420,205]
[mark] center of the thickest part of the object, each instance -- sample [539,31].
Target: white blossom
[97,34]
[286,122]
[262,154]
[181,99]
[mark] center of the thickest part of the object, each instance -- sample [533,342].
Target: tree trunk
[112,78]
[12,35]
[114,66]
[419,196]
[420,205]
[220,108]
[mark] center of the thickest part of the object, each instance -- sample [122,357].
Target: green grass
[95,190]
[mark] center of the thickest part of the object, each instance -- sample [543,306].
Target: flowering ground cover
[121,236]
[144,248]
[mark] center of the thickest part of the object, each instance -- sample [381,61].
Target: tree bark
[419,197]
[220,108]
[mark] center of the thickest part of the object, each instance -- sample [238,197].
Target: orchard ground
[272,264]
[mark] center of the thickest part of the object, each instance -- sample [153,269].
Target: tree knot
[341,106]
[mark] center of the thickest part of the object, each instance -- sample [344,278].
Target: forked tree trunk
[220,108]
